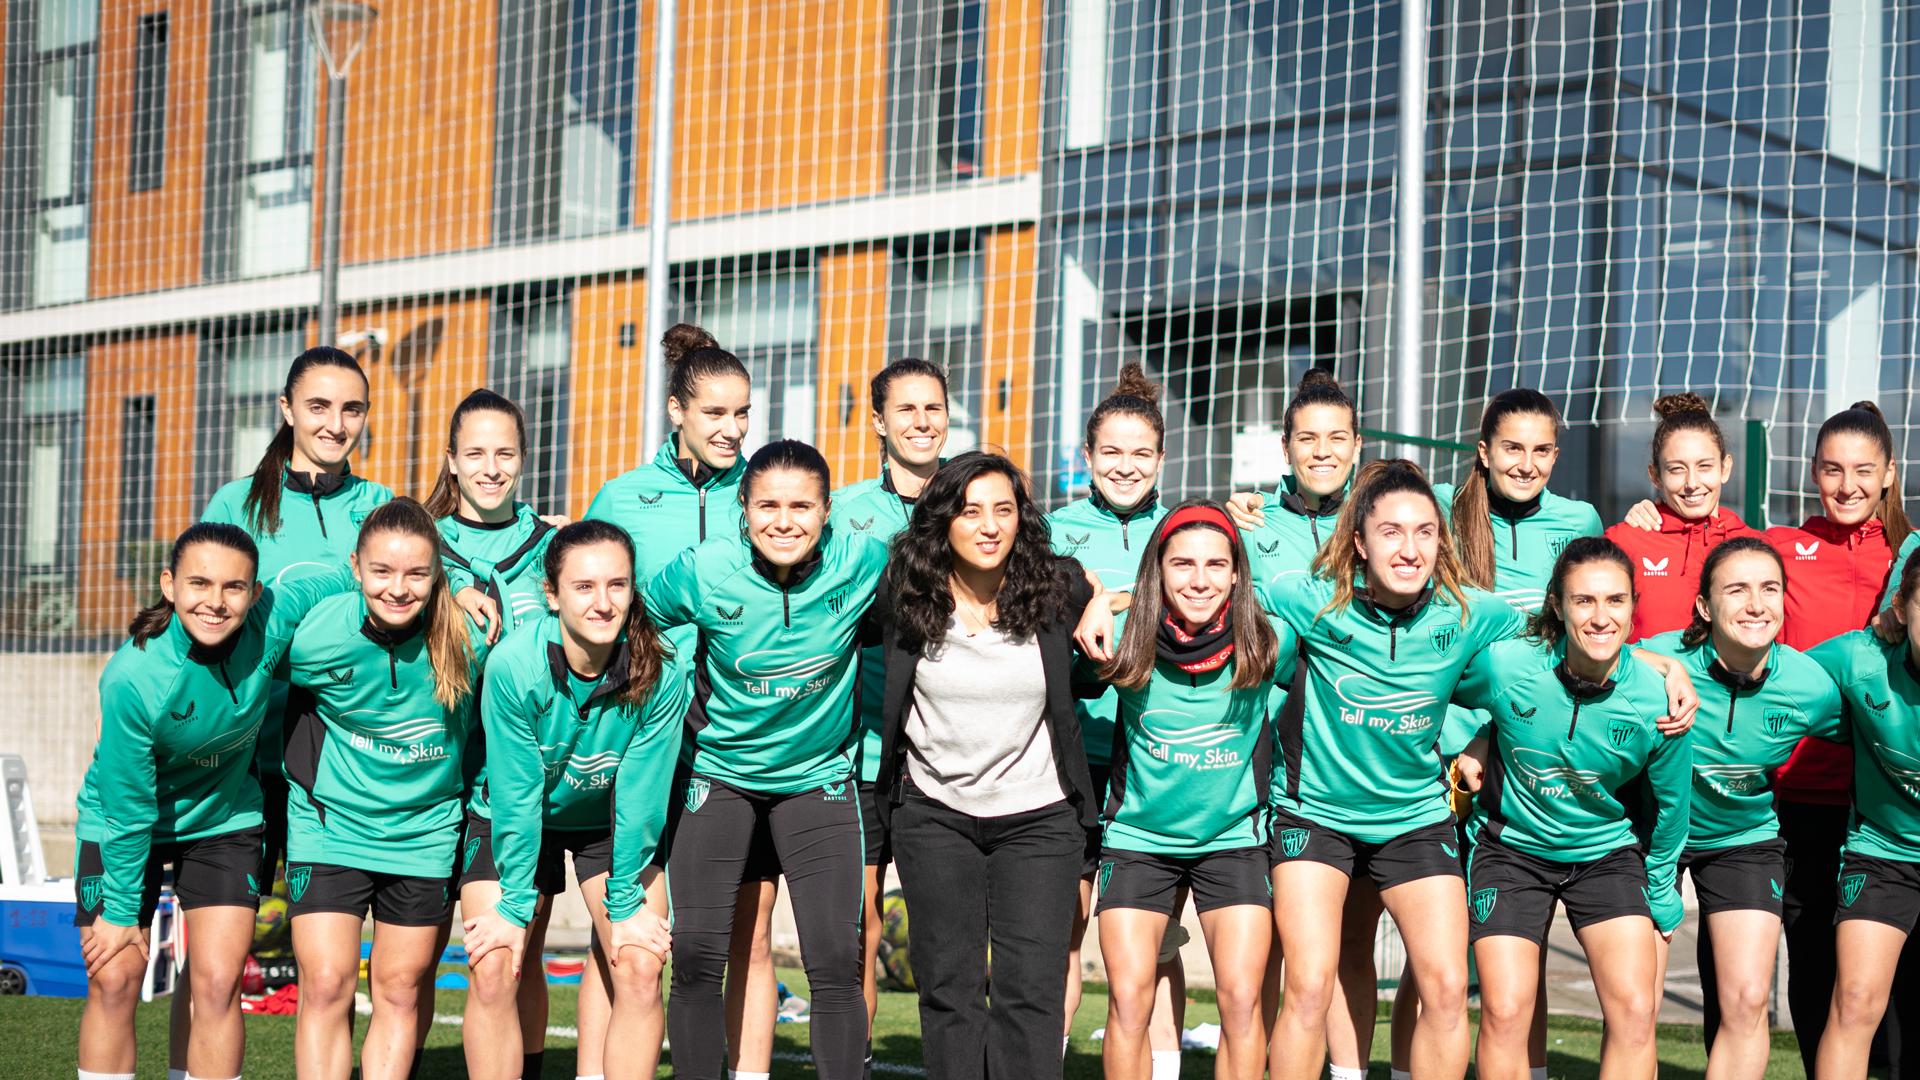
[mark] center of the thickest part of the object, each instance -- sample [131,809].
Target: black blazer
[1063,723]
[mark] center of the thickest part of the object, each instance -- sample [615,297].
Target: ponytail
[1699,629]
[1865,418]
[686,371]
[1317,387]
[1339,558]
[683,338]
[262,505]
[445,498]
[1548,626]
[152,621]
[1134,395]
[647,651]
[449,648]
[1472,516]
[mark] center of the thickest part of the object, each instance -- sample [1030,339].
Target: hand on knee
[493,984]
[636,979]
[117,986]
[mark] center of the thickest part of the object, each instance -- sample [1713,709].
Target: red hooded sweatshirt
[1834,577]
[1666,565]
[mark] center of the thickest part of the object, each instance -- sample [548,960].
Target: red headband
[1204,515]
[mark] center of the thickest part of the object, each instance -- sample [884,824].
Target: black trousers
[818,836]
[1010,882]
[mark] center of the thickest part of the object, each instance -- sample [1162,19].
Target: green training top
[773,695]
[1527,539]
[1291,535]
[1882,690]
[320,516]
[1747,728]
[1907,547]
[507,561]
[1109,543]
[564,754]
[1196,760]
[374,777]
[1563,748]
[668,505]
[1359,741]
[871,508]
[177,728]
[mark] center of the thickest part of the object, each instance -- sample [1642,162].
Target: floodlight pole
[338,56]
[659,213]
[1409,291]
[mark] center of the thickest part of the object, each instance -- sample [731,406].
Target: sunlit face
[1596,603]
[1196,574]
[1852,475]
[397,572]
[486,462]
[1124,460]
[211,591]
[1690,473]
[982,534]
[1746,601]
[913,425]
[594,592]
[1399,544]
[1520,458]
[714,424]
[328,413]
[786,511]
[1322,448]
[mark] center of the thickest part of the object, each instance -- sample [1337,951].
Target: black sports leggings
[818,836]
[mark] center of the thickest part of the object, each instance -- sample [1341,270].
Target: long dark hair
[904,367]
[919,573]
[647,651]
[785,454]
[1134,395]
[1339,560]
[1547,625]
[1472,527]
[1255,646]
[445,498]
[151,621]
[1864,418]
[1909,581]
[262,505]
[1699,629]
[445,625]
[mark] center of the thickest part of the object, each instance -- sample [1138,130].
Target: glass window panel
[257,364]
[249,445]
[269,63]
[761,311]
[275,221]
[57,386]
[591,168]
[65,23]
[547,336]
[953,292]
[43,497]
[60,255]
[60,92]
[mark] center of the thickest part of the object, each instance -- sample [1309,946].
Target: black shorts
[879,853]
[592,851]
[1511,893]
[1429,851]
[1148,882]
[1749,877]
[213,871]
[1102,775]
[1883,890]
[397,899]
[273,818]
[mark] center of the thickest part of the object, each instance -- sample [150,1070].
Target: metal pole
[330,211]
[659,210]
[1411,222]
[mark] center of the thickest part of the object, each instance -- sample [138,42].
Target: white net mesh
[1622,198]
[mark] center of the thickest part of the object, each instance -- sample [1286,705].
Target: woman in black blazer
[987,796]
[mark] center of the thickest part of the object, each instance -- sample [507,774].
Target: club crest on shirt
[1294,841]
[1444,636]
[1620,732]
[91,890]
[1776,720]
[837,603]
[1850,886]
[698,789]
[1483,901]
[298,878]
[1558,544]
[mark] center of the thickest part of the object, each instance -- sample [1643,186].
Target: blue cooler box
[39,945]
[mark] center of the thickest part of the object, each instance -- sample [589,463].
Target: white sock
[595,1076]
[1401,1074]
[1166,1065]
[1537,1073]
[750,1076]
[190,1076]
[1341,1072]
[85,1075]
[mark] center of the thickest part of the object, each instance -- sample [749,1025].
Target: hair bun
[1671,405]
[682,339]
[1317,376]
[1134,383]
[1869,406]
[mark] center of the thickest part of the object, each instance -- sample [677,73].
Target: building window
[935,109]
[767,316]
[147,147]
[238,402]
[532,353]
[939,291]
[52,410]
[64,68]
[564,130]
[275,184]
[137,454]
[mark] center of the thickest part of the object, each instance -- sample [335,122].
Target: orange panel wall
[608,383]
[1012,105]
[419,148]
[1007,326]
[163,367]
[852,301]
[151,239]
[436,353]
